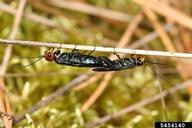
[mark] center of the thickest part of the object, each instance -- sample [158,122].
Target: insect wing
[102,69]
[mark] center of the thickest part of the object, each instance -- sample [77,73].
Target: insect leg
[115,53]
[51,50]
[88,55]
[59,46]
[73,53]
[92,51]
[106,61]
[74,50]
[89,52]
[132,55]
[58,51]
[83,52]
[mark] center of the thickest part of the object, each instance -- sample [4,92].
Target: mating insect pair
[99,64]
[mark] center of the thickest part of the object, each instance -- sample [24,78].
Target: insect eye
[49,55]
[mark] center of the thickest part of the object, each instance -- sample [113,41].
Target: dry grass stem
[59,92]
[162,33]
[4,102]
[89,9]
[169,12]
[138,105]
[97,48]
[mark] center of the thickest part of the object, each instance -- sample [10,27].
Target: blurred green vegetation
[126,87]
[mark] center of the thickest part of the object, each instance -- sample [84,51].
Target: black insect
[75,58]
[121,63]
[100,63]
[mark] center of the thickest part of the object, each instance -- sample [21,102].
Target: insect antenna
[46,56]
[39,58]
[31,57]
[151,62]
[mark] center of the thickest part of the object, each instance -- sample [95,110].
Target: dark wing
[102,69]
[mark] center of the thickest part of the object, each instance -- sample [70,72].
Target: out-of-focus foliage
[126,87]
